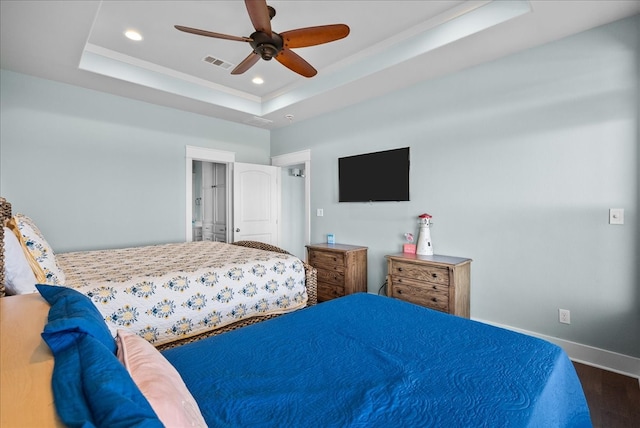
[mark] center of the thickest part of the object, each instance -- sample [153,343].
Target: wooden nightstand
[437,282]
[342,269]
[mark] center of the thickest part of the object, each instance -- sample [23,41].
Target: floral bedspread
[172,291]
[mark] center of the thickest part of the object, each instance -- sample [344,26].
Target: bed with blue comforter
[357,361]
[372,361]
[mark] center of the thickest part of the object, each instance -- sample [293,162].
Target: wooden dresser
[342,269]
[437,282]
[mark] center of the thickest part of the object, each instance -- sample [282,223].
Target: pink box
[409,248]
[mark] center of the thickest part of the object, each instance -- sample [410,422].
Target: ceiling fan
[268,44]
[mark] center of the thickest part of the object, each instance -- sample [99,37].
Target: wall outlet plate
[616,216]
[564,316]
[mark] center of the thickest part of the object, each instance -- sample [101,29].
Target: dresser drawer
[330,276]
[432,274]
[329,259]
[433,296]
[327,291]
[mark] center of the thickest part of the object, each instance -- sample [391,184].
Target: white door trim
[207,155]
[296,158]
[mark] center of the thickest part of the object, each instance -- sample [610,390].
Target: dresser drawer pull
[434,299]
[399,291]
[399,269]
[434,275]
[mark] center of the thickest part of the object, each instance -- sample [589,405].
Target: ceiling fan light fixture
[133,35]
[267,51]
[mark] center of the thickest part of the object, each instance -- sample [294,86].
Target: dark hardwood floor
[614,399]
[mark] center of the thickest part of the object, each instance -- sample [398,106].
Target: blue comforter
[372,361]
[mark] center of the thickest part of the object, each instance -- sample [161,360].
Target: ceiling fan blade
[294,62]
[259,14]
[246,64]
[212,34]
[311,36]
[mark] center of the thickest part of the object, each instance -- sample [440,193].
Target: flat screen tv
[374,177]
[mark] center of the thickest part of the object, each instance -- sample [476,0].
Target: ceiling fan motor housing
[265,46]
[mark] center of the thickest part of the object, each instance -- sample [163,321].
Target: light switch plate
[616,216]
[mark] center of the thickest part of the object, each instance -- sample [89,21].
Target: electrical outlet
[564,316]
[319,212]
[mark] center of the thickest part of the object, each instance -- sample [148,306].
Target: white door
[256,196]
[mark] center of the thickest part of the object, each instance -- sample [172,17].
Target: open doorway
[295,201]
[209,201]
[213,157]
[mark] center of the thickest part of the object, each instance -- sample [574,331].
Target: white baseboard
[601,358]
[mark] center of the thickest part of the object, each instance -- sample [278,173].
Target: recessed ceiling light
[258,80]
[133,35]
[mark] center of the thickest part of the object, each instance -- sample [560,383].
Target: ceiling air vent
[258,121]
[217,62]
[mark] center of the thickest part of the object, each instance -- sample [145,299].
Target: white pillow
[159,382]
[19,278]
[40,250]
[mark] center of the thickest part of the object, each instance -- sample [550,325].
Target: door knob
[237,229]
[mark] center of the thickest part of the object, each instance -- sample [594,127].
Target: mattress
[173,291]
[371,361]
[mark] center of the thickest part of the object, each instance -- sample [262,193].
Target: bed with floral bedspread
[169,294]
[173,291]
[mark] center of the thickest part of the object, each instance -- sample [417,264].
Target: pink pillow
[159,382]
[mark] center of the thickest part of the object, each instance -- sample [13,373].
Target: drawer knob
[434,275]
[434,287]
[434,299]
[399,269]
[399,291]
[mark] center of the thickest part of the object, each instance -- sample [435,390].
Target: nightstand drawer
[432,296]
[330,276]
[432,274]
[334,261]
[328,291]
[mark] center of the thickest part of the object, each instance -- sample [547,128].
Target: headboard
[5,213]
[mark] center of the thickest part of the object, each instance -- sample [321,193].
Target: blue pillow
[73,311]
[91,387]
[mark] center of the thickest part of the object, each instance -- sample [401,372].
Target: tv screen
[371,177]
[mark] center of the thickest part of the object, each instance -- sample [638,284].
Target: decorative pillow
[33,263]
[91,387]
[40,250]
[73,311]
[19,277]
[159,382]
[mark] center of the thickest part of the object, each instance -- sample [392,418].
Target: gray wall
[518,161]
[292,212]
[95,170]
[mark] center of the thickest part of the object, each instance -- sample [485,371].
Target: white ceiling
[392,44]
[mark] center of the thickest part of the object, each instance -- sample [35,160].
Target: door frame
[203,154]
[297,158]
